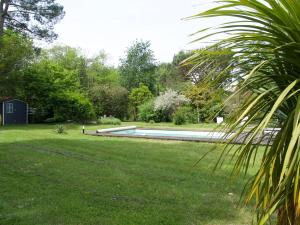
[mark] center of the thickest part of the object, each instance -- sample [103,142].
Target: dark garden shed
[13,111]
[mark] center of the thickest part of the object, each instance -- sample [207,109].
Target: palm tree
[264,38]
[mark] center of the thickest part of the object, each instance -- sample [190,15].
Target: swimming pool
[181,135]
[174,134]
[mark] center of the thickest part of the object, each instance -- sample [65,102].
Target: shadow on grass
[103,181]
[46,126]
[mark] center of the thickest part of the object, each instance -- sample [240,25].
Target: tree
[16,54]
[90,72]
[170,77]
[265,43]
[63,71]
[138,96]
[168,102]
[66,56]
[174,75]
[206,101]
[70,59]
[138,67]
[35,87]
[99,73]
[185,70]
[35,18]
[198,71]
[109,100]
[147,113]
[200,97]
[46,81]
[72,106]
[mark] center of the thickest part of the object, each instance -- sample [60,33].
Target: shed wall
[19,114]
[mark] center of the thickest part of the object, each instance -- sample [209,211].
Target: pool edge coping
[206,140]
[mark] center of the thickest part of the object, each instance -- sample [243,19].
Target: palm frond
[264,38]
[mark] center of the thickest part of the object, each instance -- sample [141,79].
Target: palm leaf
[264,39]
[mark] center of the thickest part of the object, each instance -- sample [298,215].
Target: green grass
[48,178]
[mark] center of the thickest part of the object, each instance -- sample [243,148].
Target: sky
[113,26]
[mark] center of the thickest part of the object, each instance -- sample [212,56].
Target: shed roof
[5,99]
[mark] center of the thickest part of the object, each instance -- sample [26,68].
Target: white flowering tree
[169,101]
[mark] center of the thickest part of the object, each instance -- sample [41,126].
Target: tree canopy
[198,69]
[15,55]
[138,96]
[138,66]
[34,18]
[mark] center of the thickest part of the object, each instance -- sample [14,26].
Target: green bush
[151,121]
[179,117]
[109,121]
[60,129]
[109,100]
[190,113]
[147,112]
[216,110]
[137,97]
[72,106]
[185,114]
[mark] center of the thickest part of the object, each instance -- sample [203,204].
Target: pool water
[171,133]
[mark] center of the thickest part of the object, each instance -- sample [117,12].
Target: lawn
[47,178]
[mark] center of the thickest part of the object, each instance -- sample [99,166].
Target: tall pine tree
[34,18]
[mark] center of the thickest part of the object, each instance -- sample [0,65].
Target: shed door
[15,112]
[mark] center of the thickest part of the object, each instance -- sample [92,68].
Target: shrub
[168,102]
[109,121]
[60,129]
[185,114]
[110,100]
[151,121]
[206,101]
[190,114]
[72,106]
[147,112]
[179,118]
[137,97]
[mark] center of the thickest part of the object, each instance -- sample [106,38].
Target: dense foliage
[168,102]
[109,121]
[72,106]
[185,114]
[109,100]
[15,55]
[138,67]
[147,113]
[63,84]
[173,75]
[208,103]
[137,97]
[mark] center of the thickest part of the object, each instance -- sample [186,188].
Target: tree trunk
[1,29]
[288,216]
[1,19]
[134,113]
[4,5]
[198,115]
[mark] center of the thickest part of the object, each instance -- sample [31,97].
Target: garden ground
[47,178]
